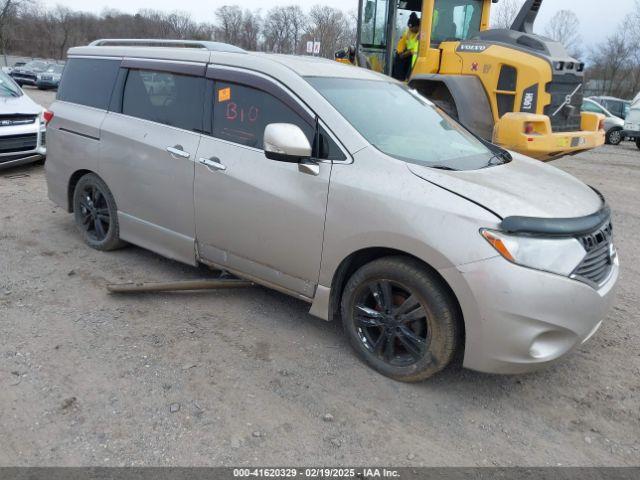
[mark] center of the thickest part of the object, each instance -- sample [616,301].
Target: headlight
[555,255]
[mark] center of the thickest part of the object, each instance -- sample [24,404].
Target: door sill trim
[259,281]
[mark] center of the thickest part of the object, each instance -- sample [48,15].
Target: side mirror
[286,142]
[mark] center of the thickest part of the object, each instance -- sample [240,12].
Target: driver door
[259,217]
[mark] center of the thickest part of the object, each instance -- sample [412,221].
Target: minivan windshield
[8,87]
[402,124]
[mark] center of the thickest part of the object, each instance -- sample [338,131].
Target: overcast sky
[598,18]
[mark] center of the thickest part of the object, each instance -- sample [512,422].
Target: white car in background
[22,126]
[632,122]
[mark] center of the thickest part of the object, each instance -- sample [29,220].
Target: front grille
[18,143]
[568,118]
[24,77]
[13,120]
[598,263]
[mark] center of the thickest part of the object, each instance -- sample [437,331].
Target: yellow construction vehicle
[509,86]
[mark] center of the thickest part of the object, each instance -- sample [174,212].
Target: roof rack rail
[150,42]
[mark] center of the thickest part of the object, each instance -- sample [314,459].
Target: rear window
[88,82]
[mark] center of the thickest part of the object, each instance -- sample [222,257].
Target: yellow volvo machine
[509,86]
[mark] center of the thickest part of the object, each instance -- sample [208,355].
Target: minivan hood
[19,105]
[523,187]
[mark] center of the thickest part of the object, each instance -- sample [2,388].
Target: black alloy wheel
[401,318]
[392,323]
[94,213]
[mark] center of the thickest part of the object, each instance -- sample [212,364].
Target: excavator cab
[508,86]
[383,22]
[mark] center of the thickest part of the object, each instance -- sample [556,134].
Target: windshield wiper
[500,158]
[444,167]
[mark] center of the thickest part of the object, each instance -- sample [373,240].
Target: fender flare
[472,103]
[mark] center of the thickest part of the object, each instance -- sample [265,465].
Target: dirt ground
[250,378]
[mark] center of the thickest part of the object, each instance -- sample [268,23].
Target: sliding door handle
[213,163]
[178,151]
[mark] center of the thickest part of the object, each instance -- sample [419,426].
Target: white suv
[22,126]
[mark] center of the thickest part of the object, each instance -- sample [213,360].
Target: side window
[241,114]
[88,82]
[326,148]
[591,107]
[168,98]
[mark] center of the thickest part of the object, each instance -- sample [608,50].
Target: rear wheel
[614,136]
[401,319]
[96,214]
[638,142]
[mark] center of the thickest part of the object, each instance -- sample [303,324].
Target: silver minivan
[340,187]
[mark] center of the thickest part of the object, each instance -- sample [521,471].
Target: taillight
[48,116]
[529,129]
[601,125]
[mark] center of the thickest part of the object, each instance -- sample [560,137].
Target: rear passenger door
[254,215]
[150,139]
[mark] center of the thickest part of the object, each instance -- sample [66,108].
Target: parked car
[613,125]
[50,79]
[8,70]
[22,126]
[632,124]
[617,106]
[28,74]
[340,187]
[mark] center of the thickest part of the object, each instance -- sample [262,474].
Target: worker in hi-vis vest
[410,41]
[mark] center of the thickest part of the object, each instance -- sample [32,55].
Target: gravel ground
[249,378]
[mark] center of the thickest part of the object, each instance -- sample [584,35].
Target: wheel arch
[469,96]
[361,257]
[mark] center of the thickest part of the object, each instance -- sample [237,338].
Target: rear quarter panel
[73,139]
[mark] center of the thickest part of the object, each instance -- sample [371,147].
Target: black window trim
[116,104]
[259,81]
[113,90]
[191,69]
[348,158]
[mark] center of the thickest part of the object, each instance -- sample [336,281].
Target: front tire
[96,214]
[638,143]
[401,319]
[614,136]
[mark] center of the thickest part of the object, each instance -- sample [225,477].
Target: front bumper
[519,320]
[9,158]
[543,144]
[633,134]
[47,84]
[24,79]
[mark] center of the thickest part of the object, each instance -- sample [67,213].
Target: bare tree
[330,27]
[505,12]
[9,9]
[297,22]
[284,28]
[251,30]
[609,60]
[229,24]
[564,27]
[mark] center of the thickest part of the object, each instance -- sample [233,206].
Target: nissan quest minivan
[340,187]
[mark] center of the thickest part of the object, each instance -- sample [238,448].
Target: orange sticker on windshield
[224,94]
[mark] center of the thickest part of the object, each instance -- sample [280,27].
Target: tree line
[27,29]
[30,30]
